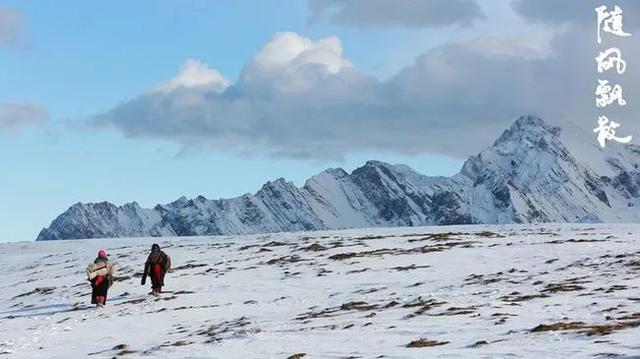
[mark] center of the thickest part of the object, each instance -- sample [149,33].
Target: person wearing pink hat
[100,274]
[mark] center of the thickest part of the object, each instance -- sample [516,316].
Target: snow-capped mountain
[532,173]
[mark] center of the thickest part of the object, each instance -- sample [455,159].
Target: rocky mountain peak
[528,175]
[529,129]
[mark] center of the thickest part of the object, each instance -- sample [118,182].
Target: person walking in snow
[100,274]
[156,266]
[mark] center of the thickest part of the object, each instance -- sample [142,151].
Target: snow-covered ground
[535,291]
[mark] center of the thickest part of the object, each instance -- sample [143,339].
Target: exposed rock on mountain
[532,173]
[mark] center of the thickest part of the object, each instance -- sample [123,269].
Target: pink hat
[102,253]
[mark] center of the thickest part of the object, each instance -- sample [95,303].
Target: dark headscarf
[155,253]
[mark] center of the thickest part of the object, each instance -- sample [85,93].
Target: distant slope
[528,175]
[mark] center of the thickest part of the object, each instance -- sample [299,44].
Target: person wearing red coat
[157,265]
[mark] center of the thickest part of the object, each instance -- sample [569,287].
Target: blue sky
[82,58]
[308,84]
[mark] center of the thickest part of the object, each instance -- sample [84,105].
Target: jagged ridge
[528,175]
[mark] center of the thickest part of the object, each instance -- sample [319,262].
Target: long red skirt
[99,288]
[157,276]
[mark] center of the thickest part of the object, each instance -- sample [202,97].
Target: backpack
[166,265]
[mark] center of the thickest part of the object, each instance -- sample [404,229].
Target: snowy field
[546,291]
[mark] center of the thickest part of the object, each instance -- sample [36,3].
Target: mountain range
[533,172]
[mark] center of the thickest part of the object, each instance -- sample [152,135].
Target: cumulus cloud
[15,115]
[292,63]
[195,74]
[395,13]
[283,96]
[300,98]
[12,28]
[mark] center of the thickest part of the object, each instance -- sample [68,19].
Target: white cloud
[301,98]
[195,74]
[292,63]
[15,115]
